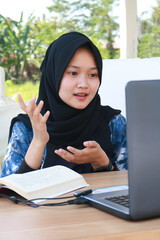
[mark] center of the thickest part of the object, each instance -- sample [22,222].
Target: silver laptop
[140,199]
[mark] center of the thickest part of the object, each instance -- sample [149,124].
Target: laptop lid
[143,146]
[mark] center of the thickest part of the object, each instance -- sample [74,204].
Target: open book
[47,182]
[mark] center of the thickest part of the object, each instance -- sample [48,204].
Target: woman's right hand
[37,120]
[34,154]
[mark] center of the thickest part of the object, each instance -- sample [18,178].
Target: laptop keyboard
[122,200]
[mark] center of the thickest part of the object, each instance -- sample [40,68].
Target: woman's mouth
[81,96]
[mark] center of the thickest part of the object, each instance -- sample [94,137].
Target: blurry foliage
[27,89]
[149,42]
[23,45]
[18,48]
[93,18]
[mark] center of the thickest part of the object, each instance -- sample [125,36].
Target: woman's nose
[82,81]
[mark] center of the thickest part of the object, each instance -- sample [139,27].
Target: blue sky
[13,8]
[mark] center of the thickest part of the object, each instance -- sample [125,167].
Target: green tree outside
[18,48]
[23,45]
[94,18]
[149,42]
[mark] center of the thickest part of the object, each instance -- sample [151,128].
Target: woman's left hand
[92,153]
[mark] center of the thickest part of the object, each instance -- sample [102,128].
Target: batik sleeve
[119,141]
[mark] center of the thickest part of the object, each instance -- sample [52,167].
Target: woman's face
[80,80]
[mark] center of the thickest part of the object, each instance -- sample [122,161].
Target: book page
[41,179]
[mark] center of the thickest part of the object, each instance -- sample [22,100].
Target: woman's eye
[92,75]
[73,73]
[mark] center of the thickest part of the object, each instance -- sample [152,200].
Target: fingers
[21,102]
[92,153]
[31,106]
[91,144]
[33,110]
[75,154]
[37,108]
[45,117]
[37,113]
[27,109]
[65,155]
[75,151]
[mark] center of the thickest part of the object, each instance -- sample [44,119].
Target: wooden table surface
[74,221]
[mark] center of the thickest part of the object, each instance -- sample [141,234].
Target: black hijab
[67,125]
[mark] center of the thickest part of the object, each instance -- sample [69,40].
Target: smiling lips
[81,96]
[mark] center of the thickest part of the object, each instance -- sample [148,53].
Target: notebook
[143,147]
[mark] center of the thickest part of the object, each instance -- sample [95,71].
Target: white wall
[117,72]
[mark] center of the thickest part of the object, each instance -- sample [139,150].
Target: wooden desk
[74,221]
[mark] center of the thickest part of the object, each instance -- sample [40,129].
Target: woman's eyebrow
[74,66]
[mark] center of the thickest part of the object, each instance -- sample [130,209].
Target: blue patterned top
[21,138]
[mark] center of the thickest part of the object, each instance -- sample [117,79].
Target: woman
[67,125]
